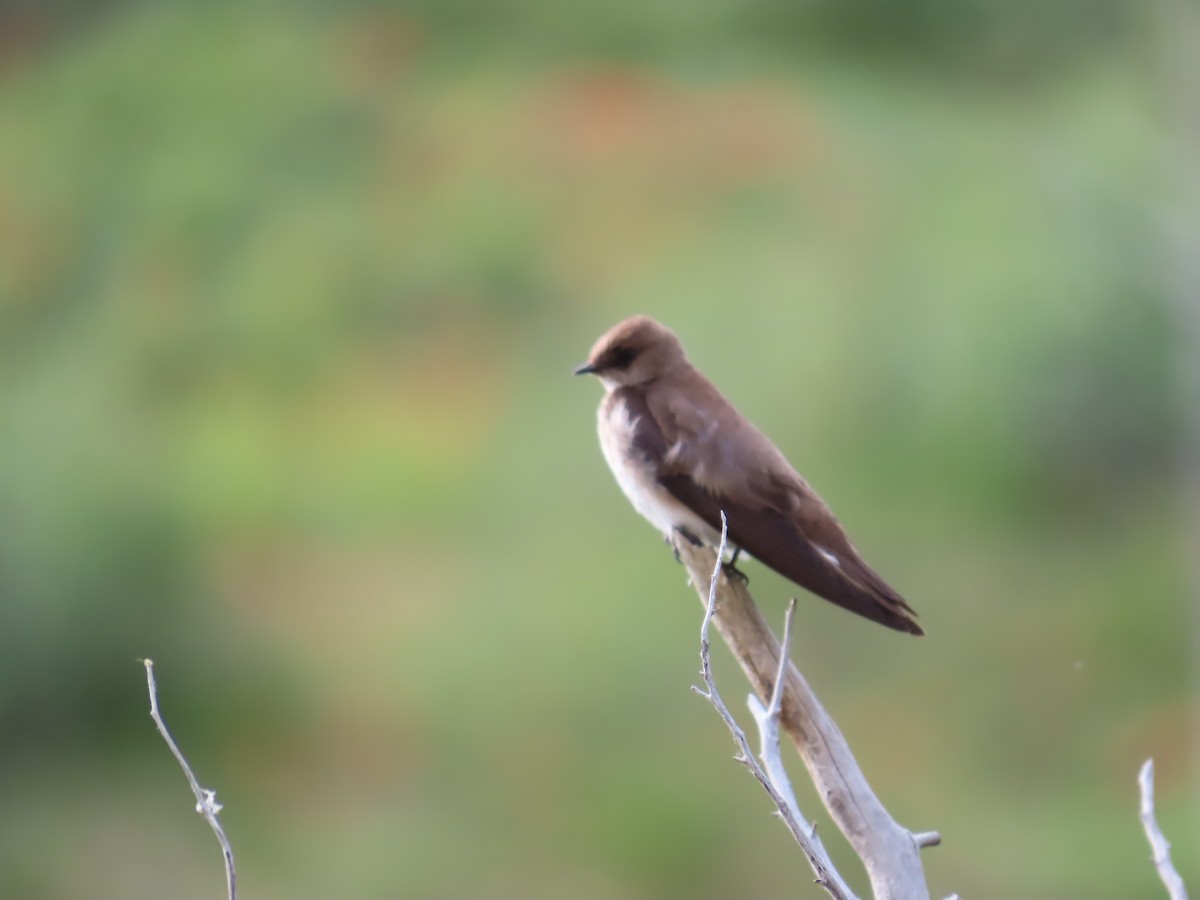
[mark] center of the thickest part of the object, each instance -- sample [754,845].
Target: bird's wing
[772,513]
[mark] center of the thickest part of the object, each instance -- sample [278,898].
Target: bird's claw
[673,541]
[731,572]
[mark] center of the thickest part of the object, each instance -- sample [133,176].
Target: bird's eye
[621,356]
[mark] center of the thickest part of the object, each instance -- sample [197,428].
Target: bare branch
[890,853]
[1160,846]
[206,800]
[767,720]
[779,791]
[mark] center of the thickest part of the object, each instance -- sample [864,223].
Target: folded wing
[773,515]
[779,541]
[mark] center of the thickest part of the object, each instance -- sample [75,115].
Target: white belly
[637,480]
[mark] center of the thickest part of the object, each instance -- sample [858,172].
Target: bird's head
[635,351]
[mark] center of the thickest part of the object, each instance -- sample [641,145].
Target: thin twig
[767,719]
[827,876]
[777,692]
[206,800]
[1159,845]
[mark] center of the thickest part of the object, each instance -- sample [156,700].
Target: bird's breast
[637,474]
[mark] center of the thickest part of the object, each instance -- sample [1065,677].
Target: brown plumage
[682,454]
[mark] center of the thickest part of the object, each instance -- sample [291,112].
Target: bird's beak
[585,369]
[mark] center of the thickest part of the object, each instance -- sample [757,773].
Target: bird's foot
[731,572]
[686,535]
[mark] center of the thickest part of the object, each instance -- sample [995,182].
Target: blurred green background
[289,300]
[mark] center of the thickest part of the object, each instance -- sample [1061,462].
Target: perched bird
[682,454]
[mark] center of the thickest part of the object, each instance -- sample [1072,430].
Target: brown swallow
[682,453]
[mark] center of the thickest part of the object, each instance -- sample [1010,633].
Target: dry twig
[773,778]
[890,853]
[1158,842]
[206,800]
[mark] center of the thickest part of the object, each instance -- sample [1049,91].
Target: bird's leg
[686,535]
[732,571]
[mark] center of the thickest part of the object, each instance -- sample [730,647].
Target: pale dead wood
[1159,844]
[206,800]
[770,774]
[889,852]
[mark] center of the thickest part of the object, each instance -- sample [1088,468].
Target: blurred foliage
[289,295]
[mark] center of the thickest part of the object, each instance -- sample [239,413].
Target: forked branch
[889,852]
[770,772]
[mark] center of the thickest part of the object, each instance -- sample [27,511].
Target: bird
[682,454]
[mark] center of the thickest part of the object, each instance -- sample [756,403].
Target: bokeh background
[289,299]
